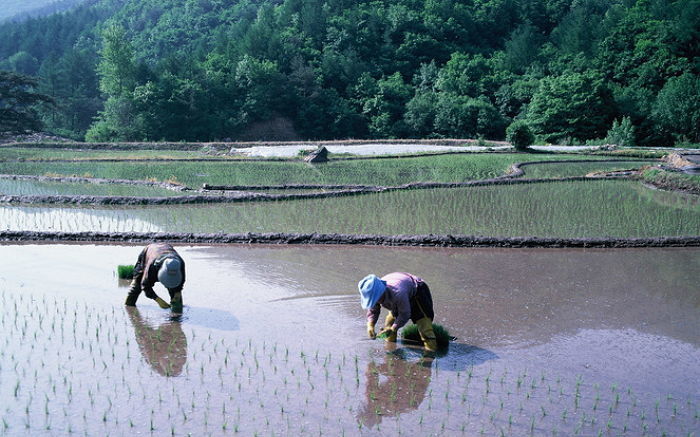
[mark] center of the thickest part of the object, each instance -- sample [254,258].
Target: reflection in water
[399,384]
[164,348]
[394,387]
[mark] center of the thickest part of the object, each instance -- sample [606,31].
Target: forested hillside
[217,69]
[18,9]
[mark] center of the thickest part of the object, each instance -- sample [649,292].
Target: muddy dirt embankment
[345,239]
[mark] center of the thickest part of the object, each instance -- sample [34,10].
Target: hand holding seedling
[389,334]
[370,331]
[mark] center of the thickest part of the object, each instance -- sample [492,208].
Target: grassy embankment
[672,180]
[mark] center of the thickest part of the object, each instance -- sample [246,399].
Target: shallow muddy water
[272,341]
[563,209]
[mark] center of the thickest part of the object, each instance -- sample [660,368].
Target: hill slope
[319,69]
[18,9]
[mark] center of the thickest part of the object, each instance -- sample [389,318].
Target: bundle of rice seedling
[410,332]
[125,271]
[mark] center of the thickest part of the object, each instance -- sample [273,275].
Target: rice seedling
[125,271]
[410,332]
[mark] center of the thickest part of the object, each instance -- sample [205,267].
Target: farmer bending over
[158,262]
[406,297]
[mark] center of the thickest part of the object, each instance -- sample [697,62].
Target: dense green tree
[209,69]
[71,82]
[117,67]
[24,63]
[521,49]
[383,102]
[18,101]
[520,135]
[621,133]
[678,107]
[572,106]
[466,117]
[118,121]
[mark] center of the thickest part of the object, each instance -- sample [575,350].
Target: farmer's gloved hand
[163,304]
[390,334]
[370,331]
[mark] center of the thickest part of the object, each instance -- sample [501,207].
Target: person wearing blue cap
[158,262]
[406,296]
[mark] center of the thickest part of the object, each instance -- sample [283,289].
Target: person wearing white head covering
[406,296]
[158,262]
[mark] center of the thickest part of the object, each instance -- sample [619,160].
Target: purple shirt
[400,289]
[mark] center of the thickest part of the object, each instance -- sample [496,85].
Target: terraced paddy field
[272,340]
[442,168]
[562,209]
[36,187]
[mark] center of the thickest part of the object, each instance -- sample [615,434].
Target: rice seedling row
[567,209]
[74,368]
[386,172]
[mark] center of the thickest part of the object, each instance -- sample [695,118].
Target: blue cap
[371,290]
[170,273]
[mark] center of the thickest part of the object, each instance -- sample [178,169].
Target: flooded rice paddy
[272,342]
[564,209]
[386,172]
[31,187]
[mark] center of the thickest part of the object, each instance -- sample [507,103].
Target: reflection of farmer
[406,297]
[158,262]
[164,348]
[394,387]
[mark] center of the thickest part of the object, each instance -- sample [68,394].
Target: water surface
[272,341]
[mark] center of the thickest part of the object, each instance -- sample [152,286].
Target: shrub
[621,133]
[519,135]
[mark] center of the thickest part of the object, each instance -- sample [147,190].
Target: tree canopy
[18,103]
[210,69]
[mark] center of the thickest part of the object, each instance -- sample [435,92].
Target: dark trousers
[139,268]
[422,303]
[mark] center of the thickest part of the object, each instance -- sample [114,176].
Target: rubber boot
[425,328]
[176,303]
[388,322]
[134,291]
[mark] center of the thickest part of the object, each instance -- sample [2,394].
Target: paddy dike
[350,240]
